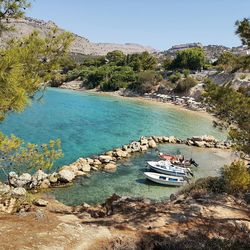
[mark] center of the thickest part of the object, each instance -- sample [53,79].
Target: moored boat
[166,167]
[178,160]
[165,179]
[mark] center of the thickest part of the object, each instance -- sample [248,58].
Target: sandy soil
[130,224]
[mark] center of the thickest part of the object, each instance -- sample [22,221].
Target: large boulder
[200,143]
[4,188]
[9,205]
[155,138]
[53,178]
[172,139]
[105,158]
[165,139]
[189,142]
[152,143]
[66,175]
[120,153]
[20,181]
[44,184]
[109,153]
[77,165]
[40,203]
[144,147]
[110,167]
[160,139]
[13,177]
[81,173]
[24,179]
[90,161]
[208,144]
[74,167]
[143,141]
[208,138]
[85,168]
[82,160]
[39,175]
[18,191]
[135,146]
[97,162]
[37,178]
[197,138]
[220,145]
[125,147]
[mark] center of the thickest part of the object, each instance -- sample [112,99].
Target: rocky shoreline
[19,184]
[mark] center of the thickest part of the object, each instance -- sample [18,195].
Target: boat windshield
[173,179]
[162,177]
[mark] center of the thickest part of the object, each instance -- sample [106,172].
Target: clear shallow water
[90,124]
[128,180]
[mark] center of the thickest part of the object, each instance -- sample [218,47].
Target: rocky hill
[80,46]
[212,52]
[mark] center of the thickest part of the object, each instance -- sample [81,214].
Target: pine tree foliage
[26,65]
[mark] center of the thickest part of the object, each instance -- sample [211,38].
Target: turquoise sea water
[89,124]
[129,180]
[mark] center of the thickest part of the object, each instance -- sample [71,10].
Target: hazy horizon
[159,24]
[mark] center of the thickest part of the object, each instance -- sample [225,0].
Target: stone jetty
[19,184]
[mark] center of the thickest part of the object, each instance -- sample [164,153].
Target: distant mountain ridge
[81,45]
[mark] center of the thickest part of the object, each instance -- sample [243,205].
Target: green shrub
[185,85]
[186,72]
[193,59]
[116,57]
[204,185]
[236,177]
[175,77]
[146,81]
[72,75]
[243,76]
[112,86]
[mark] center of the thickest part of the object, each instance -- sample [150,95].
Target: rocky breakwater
[208,141]
[18,185]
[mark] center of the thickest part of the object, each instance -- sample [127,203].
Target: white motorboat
[166,167]
[165,179]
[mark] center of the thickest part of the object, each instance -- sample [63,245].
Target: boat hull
[164,179]
[168,172]
[166,167]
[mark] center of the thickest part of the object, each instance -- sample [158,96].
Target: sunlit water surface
[89,124]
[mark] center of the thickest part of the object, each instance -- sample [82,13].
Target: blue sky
[156,23]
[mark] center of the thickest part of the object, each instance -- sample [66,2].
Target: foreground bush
[203,186]
[236,177]
[15,153]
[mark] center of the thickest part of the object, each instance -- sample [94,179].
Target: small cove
[129,180]
[90,124]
